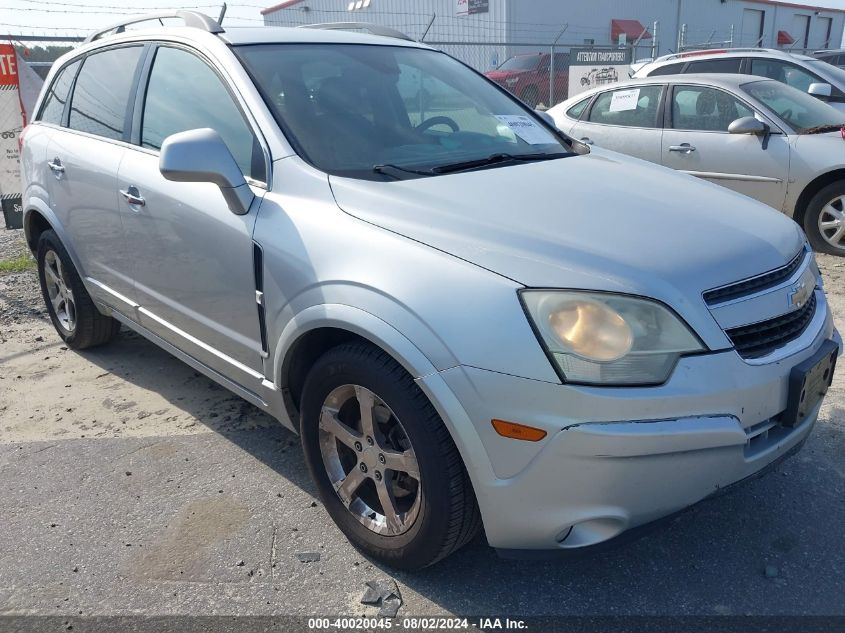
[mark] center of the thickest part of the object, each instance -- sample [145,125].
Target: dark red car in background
[527,76]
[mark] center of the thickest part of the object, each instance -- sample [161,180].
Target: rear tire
[433,514]
[824,220]
[73,313]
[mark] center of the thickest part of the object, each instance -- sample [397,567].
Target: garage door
[752,27]
[801,31]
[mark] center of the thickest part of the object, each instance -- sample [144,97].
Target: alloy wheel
[369,460]
[61,296]
[832,222]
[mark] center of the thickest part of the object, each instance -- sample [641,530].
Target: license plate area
[808,383]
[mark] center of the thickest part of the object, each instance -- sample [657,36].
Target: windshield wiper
[822,129]
[400,173]
[496,159]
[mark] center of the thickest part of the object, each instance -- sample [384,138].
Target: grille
[754,284]
[759,339]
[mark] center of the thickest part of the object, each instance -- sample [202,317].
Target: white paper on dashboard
[624,100]
[527,129]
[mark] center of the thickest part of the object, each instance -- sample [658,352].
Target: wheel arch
[37,218]
[814,186]
[317,329]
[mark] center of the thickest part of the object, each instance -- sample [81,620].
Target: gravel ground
[130,484]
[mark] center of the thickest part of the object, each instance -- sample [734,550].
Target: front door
[194,274]
[696,141]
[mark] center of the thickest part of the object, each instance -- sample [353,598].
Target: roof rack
[193,19]
[372,29]
[710,51]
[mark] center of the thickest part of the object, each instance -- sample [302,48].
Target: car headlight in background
[607,339]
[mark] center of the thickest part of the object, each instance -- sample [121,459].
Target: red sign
[8,66]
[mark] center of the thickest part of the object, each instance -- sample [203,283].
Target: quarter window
[707,109]
[184,93]
[54,102]
[668,69]
[631,107]
[577,110]
[727,65]
[102,92]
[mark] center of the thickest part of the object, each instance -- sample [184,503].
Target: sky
[77,17]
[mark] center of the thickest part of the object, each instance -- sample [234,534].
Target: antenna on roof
[222,14]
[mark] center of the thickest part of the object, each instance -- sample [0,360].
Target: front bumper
[617,458]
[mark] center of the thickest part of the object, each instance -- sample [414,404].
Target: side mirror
[202,156]
[548,118]
[820,90]
[748,125]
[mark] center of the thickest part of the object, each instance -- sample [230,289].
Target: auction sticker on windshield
[624,100]
[527,129]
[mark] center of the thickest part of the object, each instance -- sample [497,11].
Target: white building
[485,32]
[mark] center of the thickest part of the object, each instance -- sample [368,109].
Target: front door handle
[684,148]
[587,140]
[133,196]
[56,166]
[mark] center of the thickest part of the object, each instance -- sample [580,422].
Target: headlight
[607,339]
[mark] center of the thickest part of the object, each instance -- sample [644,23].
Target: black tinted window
[54,102]
[669,69]
[729,65]
[184,93]
[102,92]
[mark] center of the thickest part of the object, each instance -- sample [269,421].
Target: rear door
[625,120]
[696,141]
[193,258]
[84,157]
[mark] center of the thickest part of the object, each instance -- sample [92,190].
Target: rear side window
[630,107]
[184,93]
[668,69]
[54,102]
[728,65]
[102,92]
[784,72]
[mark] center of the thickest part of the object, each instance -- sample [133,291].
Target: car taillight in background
[20,137]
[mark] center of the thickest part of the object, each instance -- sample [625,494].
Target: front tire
[73,313]
[531,96]
[384,463]
[824,221]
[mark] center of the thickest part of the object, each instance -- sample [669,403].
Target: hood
[600,221]
[497,75]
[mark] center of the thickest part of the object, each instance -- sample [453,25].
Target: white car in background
[808,74]
[755,136]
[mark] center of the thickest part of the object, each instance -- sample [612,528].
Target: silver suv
[470,318]
[808,74]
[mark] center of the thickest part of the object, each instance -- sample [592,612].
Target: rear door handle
[684,148]
[587,140]
[56,166]
[133,196]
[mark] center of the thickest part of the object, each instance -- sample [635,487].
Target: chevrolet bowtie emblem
[798,294]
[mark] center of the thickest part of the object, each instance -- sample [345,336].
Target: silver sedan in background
[756,136]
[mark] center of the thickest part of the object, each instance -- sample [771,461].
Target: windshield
[350,108]
[521,62]
[828,70]
[801,111]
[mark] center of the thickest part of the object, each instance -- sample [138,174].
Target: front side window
[705,109]
[630,107]
[184,93]
[352,110]
[798,109]
[784,72]
[101,93]
[521,62]
[54,102]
